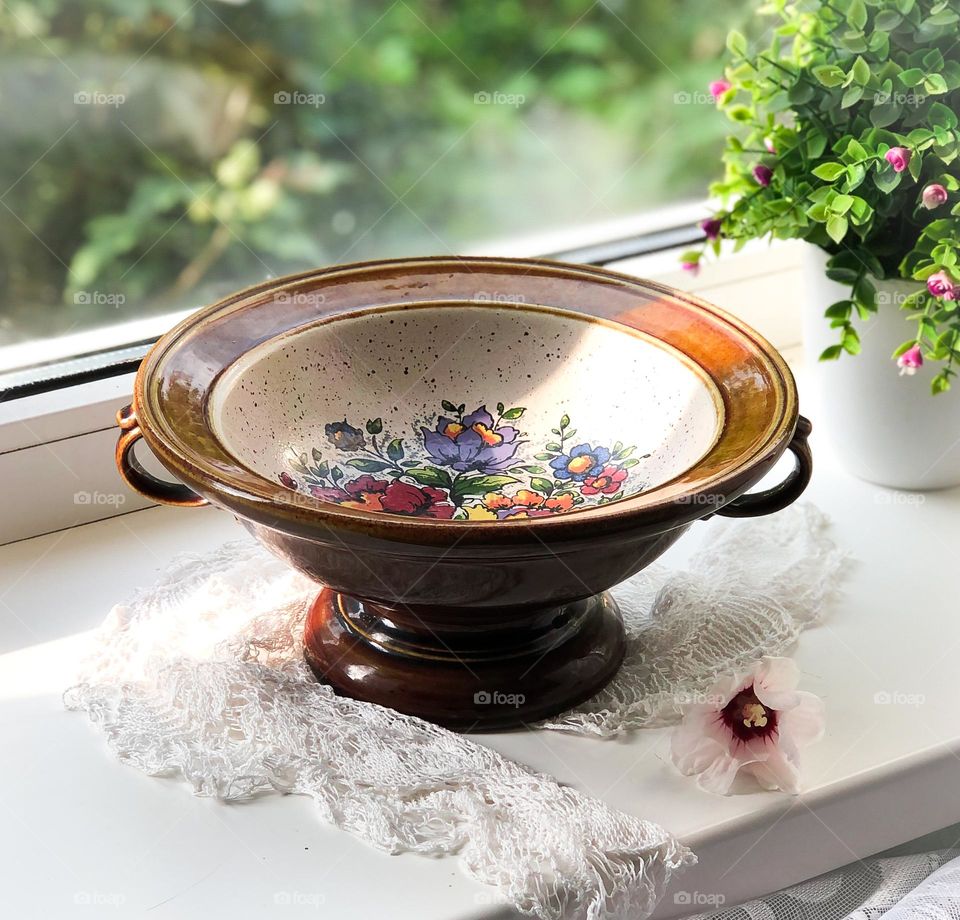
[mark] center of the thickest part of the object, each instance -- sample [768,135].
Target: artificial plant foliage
[847,137]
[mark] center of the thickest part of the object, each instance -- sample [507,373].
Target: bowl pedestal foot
[471,669]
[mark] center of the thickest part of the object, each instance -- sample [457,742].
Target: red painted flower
[607,481]
[367,493]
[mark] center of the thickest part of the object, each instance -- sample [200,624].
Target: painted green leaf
[395,449]
[479,485]
[368,466]
[430,476]
[542,485]
[513,414]
[564,421]
[374,426]
[448,406]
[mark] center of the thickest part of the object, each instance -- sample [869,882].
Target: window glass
[157,154]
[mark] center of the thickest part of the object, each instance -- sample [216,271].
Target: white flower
[754,722]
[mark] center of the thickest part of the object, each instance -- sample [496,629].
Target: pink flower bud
[692,267]
[718,87]
[898,158]
[763,174]
[910,360]
[711,227]
[933,196]
[942,285]
[768,143]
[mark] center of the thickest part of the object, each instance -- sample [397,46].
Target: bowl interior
[466,411]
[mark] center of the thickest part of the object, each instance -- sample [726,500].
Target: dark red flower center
[747,718]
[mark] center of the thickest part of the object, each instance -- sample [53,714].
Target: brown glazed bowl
[466,454]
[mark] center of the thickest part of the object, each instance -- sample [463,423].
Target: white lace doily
[201,676]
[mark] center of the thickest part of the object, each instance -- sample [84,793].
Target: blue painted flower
[473,443]
[582,461]
[344,436]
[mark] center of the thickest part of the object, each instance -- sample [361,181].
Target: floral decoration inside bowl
[467,412]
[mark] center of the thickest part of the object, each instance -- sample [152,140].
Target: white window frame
[56,447]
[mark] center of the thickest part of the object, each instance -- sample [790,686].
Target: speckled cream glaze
[466,411]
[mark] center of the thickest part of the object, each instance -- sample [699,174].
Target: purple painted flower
[910,360]
[288,480]
[898,158]
[711,227]
[942,285]
[933,196]
[582,461]
[763,174]
[473,443]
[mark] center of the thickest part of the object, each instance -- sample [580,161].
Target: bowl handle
[138,478]
[786,492]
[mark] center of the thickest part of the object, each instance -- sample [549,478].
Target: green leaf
[816,143]
[885,114]
[850,341]
[564,421]
[512,414]
[736,43]
[374,426]
[543,456]
[395,449]
[839,310]
[831,353]
[887,20]
[552,446]
[478,485]
[828,75]
[836,227]
[851,96]
[829,171]
[860,71]
[368,466]
[857,14]
[941,115]
[317,456]
[935,84]
[886,179]
[448,406]
[430,476]
[913,76]
[542,485]
[841,204]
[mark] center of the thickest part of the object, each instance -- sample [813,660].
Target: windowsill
[882,775]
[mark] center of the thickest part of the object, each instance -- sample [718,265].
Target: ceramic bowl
[466,454]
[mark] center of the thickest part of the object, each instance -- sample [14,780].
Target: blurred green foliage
[164,152]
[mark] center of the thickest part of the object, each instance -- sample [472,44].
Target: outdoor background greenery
[180,176]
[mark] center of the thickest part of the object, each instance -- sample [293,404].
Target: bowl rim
[252,495]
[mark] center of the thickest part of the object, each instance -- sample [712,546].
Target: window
[158,154]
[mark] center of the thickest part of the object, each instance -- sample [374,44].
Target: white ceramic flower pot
[884,428]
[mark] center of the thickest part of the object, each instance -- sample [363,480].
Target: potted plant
[847,137]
